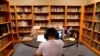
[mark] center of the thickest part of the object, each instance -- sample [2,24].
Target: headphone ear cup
[46,36]
[57,35]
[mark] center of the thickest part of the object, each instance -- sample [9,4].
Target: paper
[27,39]
[41,38]
[71,39]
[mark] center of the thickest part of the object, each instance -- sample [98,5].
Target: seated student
[53,46]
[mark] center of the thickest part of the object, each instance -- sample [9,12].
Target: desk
[34,43]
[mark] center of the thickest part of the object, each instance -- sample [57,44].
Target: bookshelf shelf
[4,23]
[6,34]
[96,41]
[57,12]
[95,50]
[10,52]
[88,13]
[73,12]
[46,13]
[4,11]
[24,31]
[86,36]
[73,19]
[87,29]
[87,21]
[6,44]
[96,31]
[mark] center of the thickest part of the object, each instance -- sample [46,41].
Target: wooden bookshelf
[57,15]
[85,19]
[73,17]
[26,16]
[22,21]
[6,40]
[91,27]
[41,15]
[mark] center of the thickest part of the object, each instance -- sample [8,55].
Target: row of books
[2,53]
[40,24]
[2,19]
[24,29]
[23,23]
[87,25]
[89,9]
[72,23]
[3,7]
[97,27]
[97,17]
[14,30]
[98,7]
[24,16]
[57,9]
[2,41]
[72,16]
[57,16]
[96,45]
[86,33]
[57,23]
[40,9]
[74,10]
[38,17]
[23,9]
[86,40]
[13,23]
[13,16]
[12,9]
[96,36]
[88,17]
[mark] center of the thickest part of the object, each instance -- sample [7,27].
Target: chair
[74,34]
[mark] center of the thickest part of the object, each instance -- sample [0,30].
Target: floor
[23,50]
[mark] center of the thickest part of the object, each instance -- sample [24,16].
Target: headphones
[52,32]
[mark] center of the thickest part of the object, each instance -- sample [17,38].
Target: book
[27,39]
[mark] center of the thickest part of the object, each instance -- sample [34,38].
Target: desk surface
[34,43]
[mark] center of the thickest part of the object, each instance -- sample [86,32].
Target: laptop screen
[60,32]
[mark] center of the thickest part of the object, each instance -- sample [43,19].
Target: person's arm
[39,50]
[37,54]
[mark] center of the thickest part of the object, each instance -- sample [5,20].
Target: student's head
[51,32]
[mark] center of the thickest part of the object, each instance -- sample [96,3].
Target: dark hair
[52,32]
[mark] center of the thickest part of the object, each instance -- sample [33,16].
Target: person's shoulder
[43,43]
[60,41]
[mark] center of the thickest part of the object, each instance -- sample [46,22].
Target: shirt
[51,48]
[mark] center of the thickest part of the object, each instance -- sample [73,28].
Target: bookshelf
[21,21]
[96,29]
[26,16]
[24,20]
[6,40]
[57,15]
[41,16]
[41,13]
[91,27]
[73,17]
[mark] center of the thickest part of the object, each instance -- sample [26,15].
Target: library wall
[92,1]
[47,2]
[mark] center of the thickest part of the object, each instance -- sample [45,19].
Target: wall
[92,1]
[47,2]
